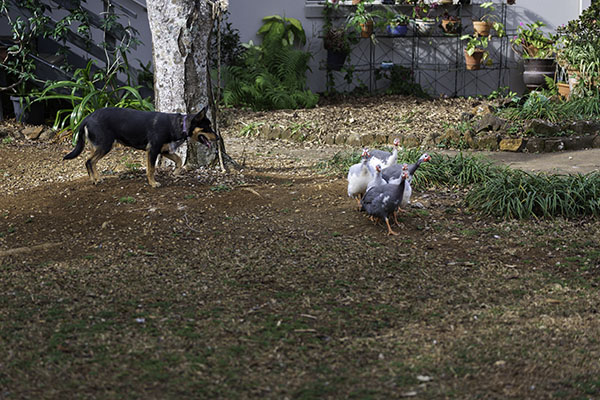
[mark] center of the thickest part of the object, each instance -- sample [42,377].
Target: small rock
[579,142]
[482,109]
[354,139]
[468,137]
[490,122]
[511,144]
[487,142]
[583,127]
[410,140]
[551,145]
[330,139]
[538,127]
[47,135]
[535,145]
[341,138]
[466,116]
[33,132]
[367,139]
[450,137]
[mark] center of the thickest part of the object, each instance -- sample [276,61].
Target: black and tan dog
[155,132]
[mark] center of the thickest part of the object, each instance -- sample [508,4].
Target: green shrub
[87,92]
[272,75]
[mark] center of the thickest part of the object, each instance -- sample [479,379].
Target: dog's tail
[82,133]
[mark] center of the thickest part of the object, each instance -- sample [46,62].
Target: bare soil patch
[267,283]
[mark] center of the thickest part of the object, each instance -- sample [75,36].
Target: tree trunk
[180,37]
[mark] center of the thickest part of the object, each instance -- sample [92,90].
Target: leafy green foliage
[538,105]
[288,30]
[531,42]
[88,92]
[271,76]
[402,82]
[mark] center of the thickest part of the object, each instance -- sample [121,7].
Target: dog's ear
[200,115]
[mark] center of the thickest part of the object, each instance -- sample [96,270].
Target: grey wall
[246,15]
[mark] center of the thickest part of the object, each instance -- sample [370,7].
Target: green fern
[271,76]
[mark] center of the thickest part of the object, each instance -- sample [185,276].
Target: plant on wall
[531,42]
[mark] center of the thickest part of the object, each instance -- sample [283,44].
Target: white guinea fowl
[383,200]
[359,176]
[378,180]
[385,158]
[411,172]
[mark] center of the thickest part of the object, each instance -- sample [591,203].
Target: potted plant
[397,24]
[488,21]
[362,19]
[476,51]
[537,50]
[338,47]
[450,24]
[424,16]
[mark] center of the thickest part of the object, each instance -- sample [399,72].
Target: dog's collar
[185,125]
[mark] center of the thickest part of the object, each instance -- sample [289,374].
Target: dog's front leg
[176,159]
[151,167]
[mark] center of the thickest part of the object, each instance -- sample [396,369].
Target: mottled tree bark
[181,32]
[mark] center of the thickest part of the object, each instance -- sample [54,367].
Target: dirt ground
[267,283]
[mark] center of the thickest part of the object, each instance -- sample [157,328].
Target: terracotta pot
[564,90]
[451,27]
[356,1]
[445,2]
[473,62]
[482,28]
[510,1]
[366,29]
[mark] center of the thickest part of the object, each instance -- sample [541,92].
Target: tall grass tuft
[519,194]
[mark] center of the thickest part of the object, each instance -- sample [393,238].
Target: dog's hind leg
[176,159]
[90,164]
[151,157]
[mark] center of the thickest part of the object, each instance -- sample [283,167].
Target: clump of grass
[539,105]
[339,163]
[519,194]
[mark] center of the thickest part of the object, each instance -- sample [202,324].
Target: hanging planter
[336,59]
[397,30]
[535,71]
[482,28]
[451,25]
[366,29]
[473,61]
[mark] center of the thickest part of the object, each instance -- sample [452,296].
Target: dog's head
[201,129]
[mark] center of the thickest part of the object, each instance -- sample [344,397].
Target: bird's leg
[358,198]
[390,231]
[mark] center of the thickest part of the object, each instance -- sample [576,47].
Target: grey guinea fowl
[378,180]
[359,176]
[385,158]
[382,201]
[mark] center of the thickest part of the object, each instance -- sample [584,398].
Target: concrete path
[565,162]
